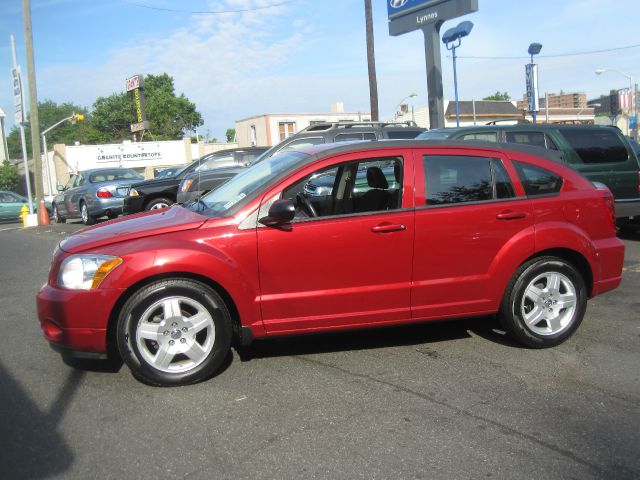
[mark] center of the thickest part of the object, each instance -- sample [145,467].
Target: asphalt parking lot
[453,400]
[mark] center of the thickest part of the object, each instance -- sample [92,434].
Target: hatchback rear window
[597,145]
[536,180]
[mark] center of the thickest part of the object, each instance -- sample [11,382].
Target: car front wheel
[544,303]
[174,332]
[159,203]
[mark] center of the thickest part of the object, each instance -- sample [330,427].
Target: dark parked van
[600,153]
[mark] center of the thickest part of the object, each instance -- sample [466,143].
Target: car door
[471,221]
[72,196]
[61,198]
[351,264]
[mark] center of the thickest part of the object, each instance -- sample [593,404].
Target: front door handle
[511,215]
[388,227]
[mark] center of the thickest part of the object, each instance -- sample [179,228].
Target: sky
[302,55]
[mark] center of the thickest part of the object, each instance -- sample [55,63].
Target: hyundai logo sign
[399,7]
[397,3]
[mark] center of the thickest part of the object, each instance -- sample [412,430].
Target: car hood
[157,182]
[147,224]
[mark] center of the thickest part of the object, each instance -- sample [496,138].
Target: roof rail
[323,126]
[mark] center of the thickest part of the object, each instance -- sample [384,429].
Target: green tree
[50,113]
[9,178]
[170,116]
[230,134]
[504,96]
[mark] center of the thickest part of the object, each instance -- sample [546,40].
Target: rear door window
[527,138]
[347,137]
[454,179]
[484,136]
[596,145]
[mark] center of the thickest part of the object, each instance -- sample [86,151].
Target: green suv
[600,153]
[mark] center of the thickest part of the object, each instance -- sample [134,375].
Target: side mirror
[282,211]
[60,188]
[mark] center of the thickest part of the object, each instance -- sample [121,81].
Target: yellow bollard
[24,211]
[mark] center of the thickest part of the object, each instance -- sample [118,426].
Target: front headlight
[133,192]
[86,272]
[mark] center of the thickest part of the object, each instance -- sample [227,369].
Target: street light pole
[72,118]
[452,38]
[632,94]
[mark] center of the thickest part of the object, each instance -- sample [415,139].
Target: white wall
[130,155]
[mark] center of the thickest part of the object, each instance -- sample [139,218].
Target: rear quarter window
[597,146]
[537,180]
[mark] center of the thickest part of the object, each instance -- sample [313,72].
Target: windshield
[246,184]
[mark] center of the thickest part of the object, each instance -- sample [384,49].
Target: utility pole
[371,62]
[33,100]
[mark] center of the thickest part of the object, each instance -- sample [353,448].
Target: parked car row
[395,232]
[11,204]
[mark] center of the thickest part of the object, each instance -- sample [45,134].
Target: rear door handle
[388,227]
[510,215]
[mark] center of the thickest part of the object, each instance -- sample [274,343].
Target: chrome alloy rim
[84,213]
[56,217]
[549,303]
[175,334]
[158,206]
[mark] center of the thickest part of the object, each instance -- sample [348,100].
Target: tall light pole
[371,62]
[634,103]
[73,118]
[531,70]
[452,38]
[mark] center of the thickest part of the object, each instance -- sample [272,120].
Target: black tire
[146,330]
[158,203]
[555,314]
[56,215]
[86,218]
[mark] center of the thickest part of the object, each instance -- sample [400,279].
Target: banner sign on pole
[531,70]
[18,98]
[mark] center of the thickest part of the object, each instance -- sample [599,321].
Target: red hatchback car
[338,237]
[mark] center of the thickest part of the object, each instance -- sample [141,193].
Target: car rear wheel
[174,332]
[56,215]
[87,219]
[158,203]
[544,303]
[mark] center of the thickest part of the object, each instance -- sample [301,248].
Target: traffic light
[79,117]
[613,99]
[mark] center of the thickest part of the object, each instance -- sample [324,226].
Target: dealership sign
[18,97]
[135,85]
[408,15]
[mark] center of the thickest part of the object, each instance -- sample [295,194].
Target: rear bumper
[184,197]
[610,253]
[626,208]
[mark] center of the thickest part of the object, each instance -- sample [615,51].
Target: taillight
[186,186]
[103,193]
[611,205]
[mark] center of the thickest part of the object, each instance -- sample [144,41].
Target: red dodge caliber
[338,237]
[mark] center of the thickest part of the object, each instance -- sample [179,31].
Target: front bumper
[133,205]
[76,320]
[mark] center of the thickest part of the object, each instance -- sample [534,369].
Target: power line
[208,12]
[574,54]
